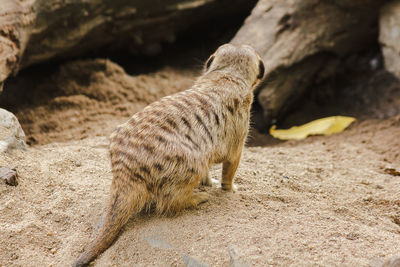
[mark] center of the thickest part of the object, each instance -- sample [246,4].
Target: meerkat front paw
[206,180]
[229,187]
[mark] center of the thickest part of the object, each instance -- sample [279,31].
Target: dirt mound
[84,98]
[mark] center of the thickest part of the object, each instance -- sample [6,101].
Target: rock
[390,262]
[298,38]
[389,36]
[9,175]
[11,133]
[38,30]
[234,258]
[157,243]
[192,262]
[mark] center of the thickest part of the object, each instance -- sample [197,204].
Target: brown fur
[163,152]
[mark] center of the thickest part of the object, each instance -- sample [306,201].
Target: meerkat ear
[208,63]
[261,70]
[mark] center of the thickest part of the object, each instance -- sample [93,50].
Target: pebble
[9,175]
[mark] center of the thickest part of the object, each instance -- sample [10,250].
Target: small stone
[9,175]
[11,134]
[192,262]
[14,256]
[390,262]
[157,243]
[352,236]
[235,259]
[78,163]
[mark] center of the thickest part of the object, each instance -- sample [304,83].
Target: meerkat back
[162,153]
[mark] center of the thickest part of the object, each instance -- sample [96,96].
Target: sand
[323,201]
[326,201]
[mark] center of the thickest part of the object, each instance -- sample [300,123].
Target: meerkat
[162,153]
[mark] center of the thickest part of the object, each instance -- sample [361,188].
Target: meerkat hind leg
[199,197]
[190,201]
[228,173]
[181,198]
[193,200]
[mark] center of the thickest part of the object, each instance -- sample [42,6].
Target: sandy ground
[324,201]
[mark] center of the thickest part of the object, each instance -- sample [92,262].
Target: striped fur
[163,152]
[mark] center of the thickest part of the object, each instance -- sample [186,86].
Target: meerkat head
[241,60]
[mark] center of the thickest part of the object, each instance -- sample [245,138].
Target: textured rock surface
[389,36]
[299,39]
[33,31]
[11,133]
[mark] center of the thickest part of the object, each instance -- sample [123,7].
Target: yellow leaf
[324,126]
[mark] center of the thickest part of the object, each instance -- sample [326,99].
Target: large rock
[301,40]
[33,31]
[389,36]
[11,133]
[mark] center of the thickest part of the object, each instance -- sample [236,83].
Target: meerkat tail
[162,152]
[123,205]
